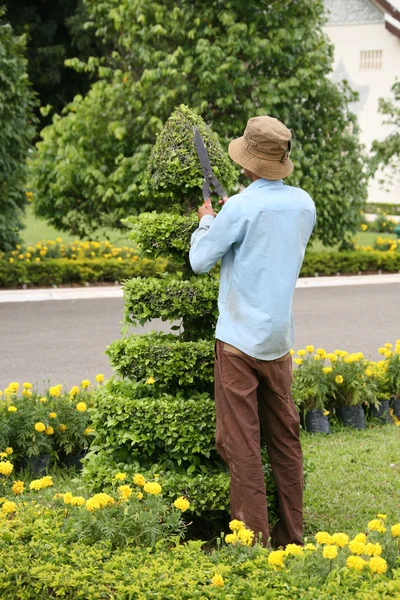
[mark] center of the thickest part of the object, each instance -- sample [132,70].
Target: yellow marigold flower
[388,345]
[27,385]
[49,430]
[339,379]
[138,479]
[396,530]
[276,559]
[326,413]
[62,427]
[40,427]
[81,407]
[39,484]
[12,409]
[357,547]
[120,476]
[323,537]
[58,240]
[332,357]
[294,550]
[364,227]
[355,562]
[321,352]
[376,525]
[330,552]
[43,400]
[18,487]
[291,352]
[182,503]
[150,381]
[67,497]
[125,491]
[85,384]
[99,378]
[26,393]
[231,538]
[310,349]
[360,537]
[381,350]
[377,565]
[9,450]
[87,430]
[152,488]
[3,454]
[388,354]
[340,539]
[298,361]
[317,357]
[301,352]
[140,495]
[245,536]
[53,415]
[99,501]
[217,580]
[6,468]
[13,387]
[74,391]
[78,501]
[235,525]
[310,547]
[327,370]
[8,508]
[11,260]
[381,516]
[373,549]
[368,372]
[55,391]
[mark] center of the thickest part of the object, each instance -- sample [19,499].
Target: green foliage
[17,103]
[351,263]
[393,373]
[174,364]
[228,63]
[378,207]
[386,153]
[193,300]
[58,271]
[382,224]
[174,170]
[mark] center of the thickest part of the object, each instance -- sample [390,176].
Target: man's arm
[213,238]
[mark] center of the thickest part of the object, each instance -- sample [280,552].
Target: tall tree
[386,153]
[228,61]
[17,102]
[54,33]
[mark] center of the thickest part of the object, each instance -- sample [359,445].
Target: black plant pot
[314,421]
[73,461]
[395,405]
[382,413]
[37,465]
[351,416]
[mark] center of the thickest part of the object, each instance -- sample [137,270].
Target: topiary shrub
[159,416]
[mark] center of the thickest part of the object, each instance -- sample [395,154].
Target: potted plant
[311,388]
[351,389]
[72,427]
[378,383]
[29,431]
[393,375]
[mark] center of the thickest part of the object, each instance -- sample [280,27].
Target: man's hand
[206,209]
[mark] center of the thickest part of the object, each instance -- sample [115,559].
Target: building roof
[346,12]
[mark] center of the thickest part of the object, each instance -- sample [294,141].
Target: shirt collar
[259,183]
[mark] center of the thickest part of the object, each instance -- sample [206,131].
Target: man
[261,235]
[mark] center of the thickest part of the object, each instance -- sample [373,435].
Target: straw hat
[264,148]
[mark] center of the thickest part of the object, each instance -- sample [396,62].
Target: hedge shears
[210,179]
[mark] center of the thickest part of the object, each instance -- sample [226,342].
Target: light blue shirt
[261,235]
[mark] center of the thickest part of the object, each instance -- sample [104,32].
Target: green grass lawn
[37,229]
[356,475]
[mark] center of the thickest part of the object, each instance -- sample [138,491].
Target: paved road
[64,341]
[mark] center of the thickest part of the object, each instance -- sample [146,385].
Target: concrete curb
[88,293]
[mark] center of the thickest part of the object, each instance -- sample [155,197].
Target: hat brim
[267,169]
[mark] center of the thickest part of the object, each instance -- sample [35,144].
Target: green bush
[378,207]
[17,129]
[60,271]
[349,263]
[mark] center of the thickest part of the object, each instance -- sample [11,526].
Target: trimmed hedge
[59,271]
[377,207]
[62,271]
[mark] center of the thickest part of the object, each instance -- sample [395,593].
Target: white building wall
[349,41]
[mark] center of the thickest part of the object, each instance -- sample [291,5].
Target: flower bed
[125,543]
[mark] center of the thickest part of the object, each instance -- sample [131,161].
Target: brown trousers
[248,392]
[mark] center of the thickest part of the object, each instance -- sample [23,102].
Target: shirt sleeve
[212,239]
